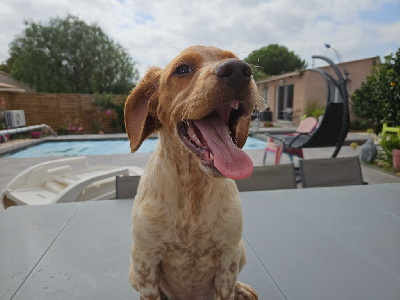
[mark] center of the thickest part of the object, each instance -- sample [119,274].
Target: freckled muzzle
[213,139]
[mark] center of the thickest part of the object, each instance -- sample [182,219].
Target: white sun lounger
[65,180]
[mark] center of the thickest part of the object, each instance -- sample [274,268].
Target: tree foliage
[378,98]
[274,60]
[69,56]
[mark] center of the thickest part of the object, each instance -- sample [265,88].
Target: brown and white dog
[187,215]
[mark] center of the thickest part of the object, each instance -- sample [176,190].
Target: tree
[6,66]
[378,98]
[69,56]
[274,60]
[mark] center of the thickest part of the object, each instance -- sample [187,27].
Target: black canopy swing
[334,126]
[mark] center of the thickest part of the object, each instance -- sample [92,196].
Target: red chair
[273,148]
[307,125]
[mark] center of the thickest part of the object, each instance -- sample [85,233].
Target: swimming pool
[106,147]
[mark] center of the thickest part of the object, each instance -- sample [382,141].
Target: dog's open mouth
[213,139]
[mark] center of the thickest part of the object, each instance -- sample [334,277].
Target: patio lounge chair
[126,186]
[269,178]
[339,171]
[306,126]
[64,180]
[334,126]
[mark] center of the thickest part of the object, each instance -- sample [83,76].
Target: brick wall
[60,110]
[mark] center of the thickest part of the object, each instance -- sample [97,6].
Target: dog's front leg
[144,275]
[225,279]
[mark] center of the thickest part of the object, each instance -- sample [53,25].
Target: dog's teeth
[191,132]
[235,105]
[193,136]
[211,156]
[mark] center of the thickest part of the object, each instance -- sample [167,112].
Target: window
[265,97]
[335,94]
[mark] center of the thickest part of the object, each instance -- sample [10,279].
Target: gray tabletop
[320,243]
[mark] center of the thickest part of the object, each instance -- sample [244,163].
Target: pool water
[76,148]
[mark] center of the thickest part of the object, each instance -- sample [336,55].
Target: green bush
[109,101]
[359,125]
[388,143]
[314,109]
[62,130]
[378,98]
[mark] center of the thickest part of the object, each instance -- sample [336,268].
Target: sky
[154,32]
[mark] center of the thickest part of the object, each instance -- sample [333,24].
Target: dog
[187,215]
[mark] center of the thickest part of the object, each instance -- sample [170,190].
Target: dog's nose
[235,72]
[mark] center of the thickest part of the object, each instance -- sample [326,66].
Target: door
[284,99]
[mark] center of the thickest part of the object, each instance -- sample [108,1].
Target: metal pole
[342,85]
[25,129]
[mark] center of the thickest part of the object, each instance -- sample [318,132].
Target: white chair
[64,180]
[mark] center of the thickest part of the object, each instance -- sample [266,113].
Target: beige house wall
[309,86]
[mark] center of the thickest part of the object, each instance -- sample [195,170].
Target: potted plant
[4,137]
[391,146]
[62,130]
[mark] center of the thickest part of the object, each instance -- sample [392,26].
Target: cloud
[154,32]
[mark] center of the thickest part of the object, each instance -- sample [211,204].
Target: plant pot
[396,159]
[7,136]
[36,134]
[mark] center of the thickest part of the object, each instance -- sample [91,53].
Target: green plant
[314,109]
[109,101]
[354,145]
[62,130]
[359,125]
[378,98]
[388,143]
[370,131]
[95,126]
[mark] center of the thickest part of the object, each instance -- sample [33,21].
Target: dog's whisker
[185,109]
[262,100]
[178,106]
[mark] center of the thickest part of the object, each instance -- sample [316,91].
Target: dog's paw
[244,292]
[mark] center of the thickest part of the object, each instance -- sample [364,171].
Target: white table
[321,243]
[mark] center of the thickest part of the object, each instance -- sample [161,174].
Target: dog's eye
[183,69]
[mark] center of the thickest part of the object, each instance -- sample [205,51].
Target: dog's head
[205,96]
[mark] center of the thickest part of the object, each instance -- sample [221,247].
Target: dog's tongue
[231,161]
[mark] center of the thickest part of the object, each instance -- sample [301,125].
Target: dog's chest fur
[188,220]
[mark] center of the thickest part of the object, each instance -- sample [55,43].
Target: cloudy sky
[155,31]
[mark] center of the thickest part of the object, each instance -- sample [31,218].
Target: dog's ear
[140,109]
[242,131]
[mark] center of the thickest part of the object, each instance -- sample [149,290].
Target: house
[6,80]
[8,88]
[4,87]
[288,95]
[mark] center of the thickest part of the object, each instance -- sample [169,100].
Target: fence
[61,110]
